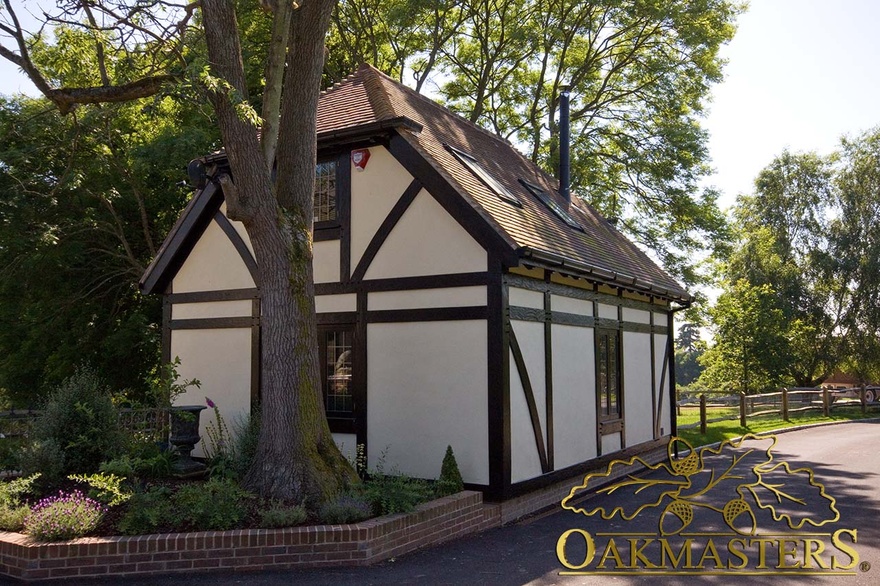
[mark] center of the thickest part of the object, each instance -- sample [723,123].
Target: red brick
[151,566]
[179,565]
[63,572]
[207,563]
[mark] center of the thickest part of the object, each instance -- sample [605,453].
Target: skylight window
[548,201]
[477,169]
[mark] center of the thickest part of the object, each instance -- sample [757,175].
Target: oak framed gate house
[461,301]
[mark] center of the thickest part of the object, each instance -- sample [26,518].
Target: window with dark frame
[608,374]
[325,192]
[336,372]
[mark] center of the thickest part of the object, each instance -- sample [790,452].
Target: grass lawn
[722,430]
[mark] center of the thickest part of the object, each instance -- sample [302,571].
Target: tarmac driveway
[843,457]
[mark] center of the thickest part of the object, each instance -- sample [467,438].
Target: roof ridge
[376,93]
[438,106]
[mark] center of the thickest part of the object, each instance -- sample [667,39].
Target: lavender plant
[64,516]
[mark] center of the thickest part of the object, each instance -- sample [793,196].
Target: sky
[800,74]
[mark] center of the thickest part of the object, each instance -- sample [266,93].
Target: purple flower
[210,403]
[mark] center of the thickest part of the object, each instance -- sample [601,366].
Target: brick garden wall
[363,543]
[248,549]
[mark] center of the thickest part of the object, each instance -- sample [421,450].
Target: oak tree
[148,45]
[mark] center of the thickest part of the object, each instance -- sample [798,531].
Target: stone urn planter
[184,437]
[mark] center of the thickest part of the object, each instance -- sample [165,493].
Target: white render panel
[221,360]
[213,265]
[426,298]
[574,395]
[374,191]
[427,241]
[237,308]
[659,355]
[610,443]
[334,303]
[239,227]
[524,460]
[326,261]
[637,316]
[571,305]
[660,319]
[426,388]
[347,444]
[524,298]
[637,396]
[607,311]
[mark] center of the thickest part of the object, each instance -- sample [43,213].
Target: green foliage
[147,466]
[217,504]
[80,419]
[44,457]
[392,492]
[105,488]
[12,518]
[165,386]
[65,516]
[280,515]
[13,510]
[346,508]
[800,289]
[748,353]
[450,481]
[148,512]
[87,199]
[688,350]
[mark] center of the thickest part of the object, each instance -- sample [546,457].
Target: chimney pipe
[564,145]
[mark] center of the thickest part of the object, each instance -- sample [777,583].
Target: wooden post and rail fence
[717,406]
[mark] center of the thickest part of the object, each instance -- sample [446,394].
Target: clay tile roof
[369,96]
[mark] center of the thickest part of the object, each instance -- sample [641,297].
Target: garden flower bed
[361,543]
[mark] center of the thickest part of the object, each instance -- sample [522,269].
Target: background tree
[806,260]
[855,249]
[749,351]
[87,199]
[688,349]
[296,457]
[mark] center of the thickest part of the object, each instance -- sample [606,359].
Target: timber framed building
[461,301]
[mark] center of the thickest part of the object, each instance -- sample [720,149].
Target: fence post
[742,409]
[825,402]
[863,398]
[703,413]
[785,404]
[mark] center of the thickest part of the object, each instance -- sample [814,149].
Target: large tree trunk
[296,457]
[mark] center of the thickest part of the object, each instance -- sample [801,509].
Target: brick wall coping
[362,543]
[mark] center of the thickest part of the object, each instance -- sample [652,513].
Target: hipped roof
[368,100]
[369,97]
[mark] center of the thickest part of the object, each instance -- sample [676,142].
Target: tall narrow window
[336,357]
[608,374]
[325,191]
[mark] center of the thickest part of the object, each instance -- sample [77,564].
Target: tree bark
[296,456]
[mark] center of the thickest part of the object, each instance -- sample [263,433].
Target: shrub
[450,481]
[13,510]
[393,492]
[105,488]
[278,515]
[215,505]
[65,516]
[43,457]
[12,518]
[79,417]
[157,465]
[345,509]
[148,512]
